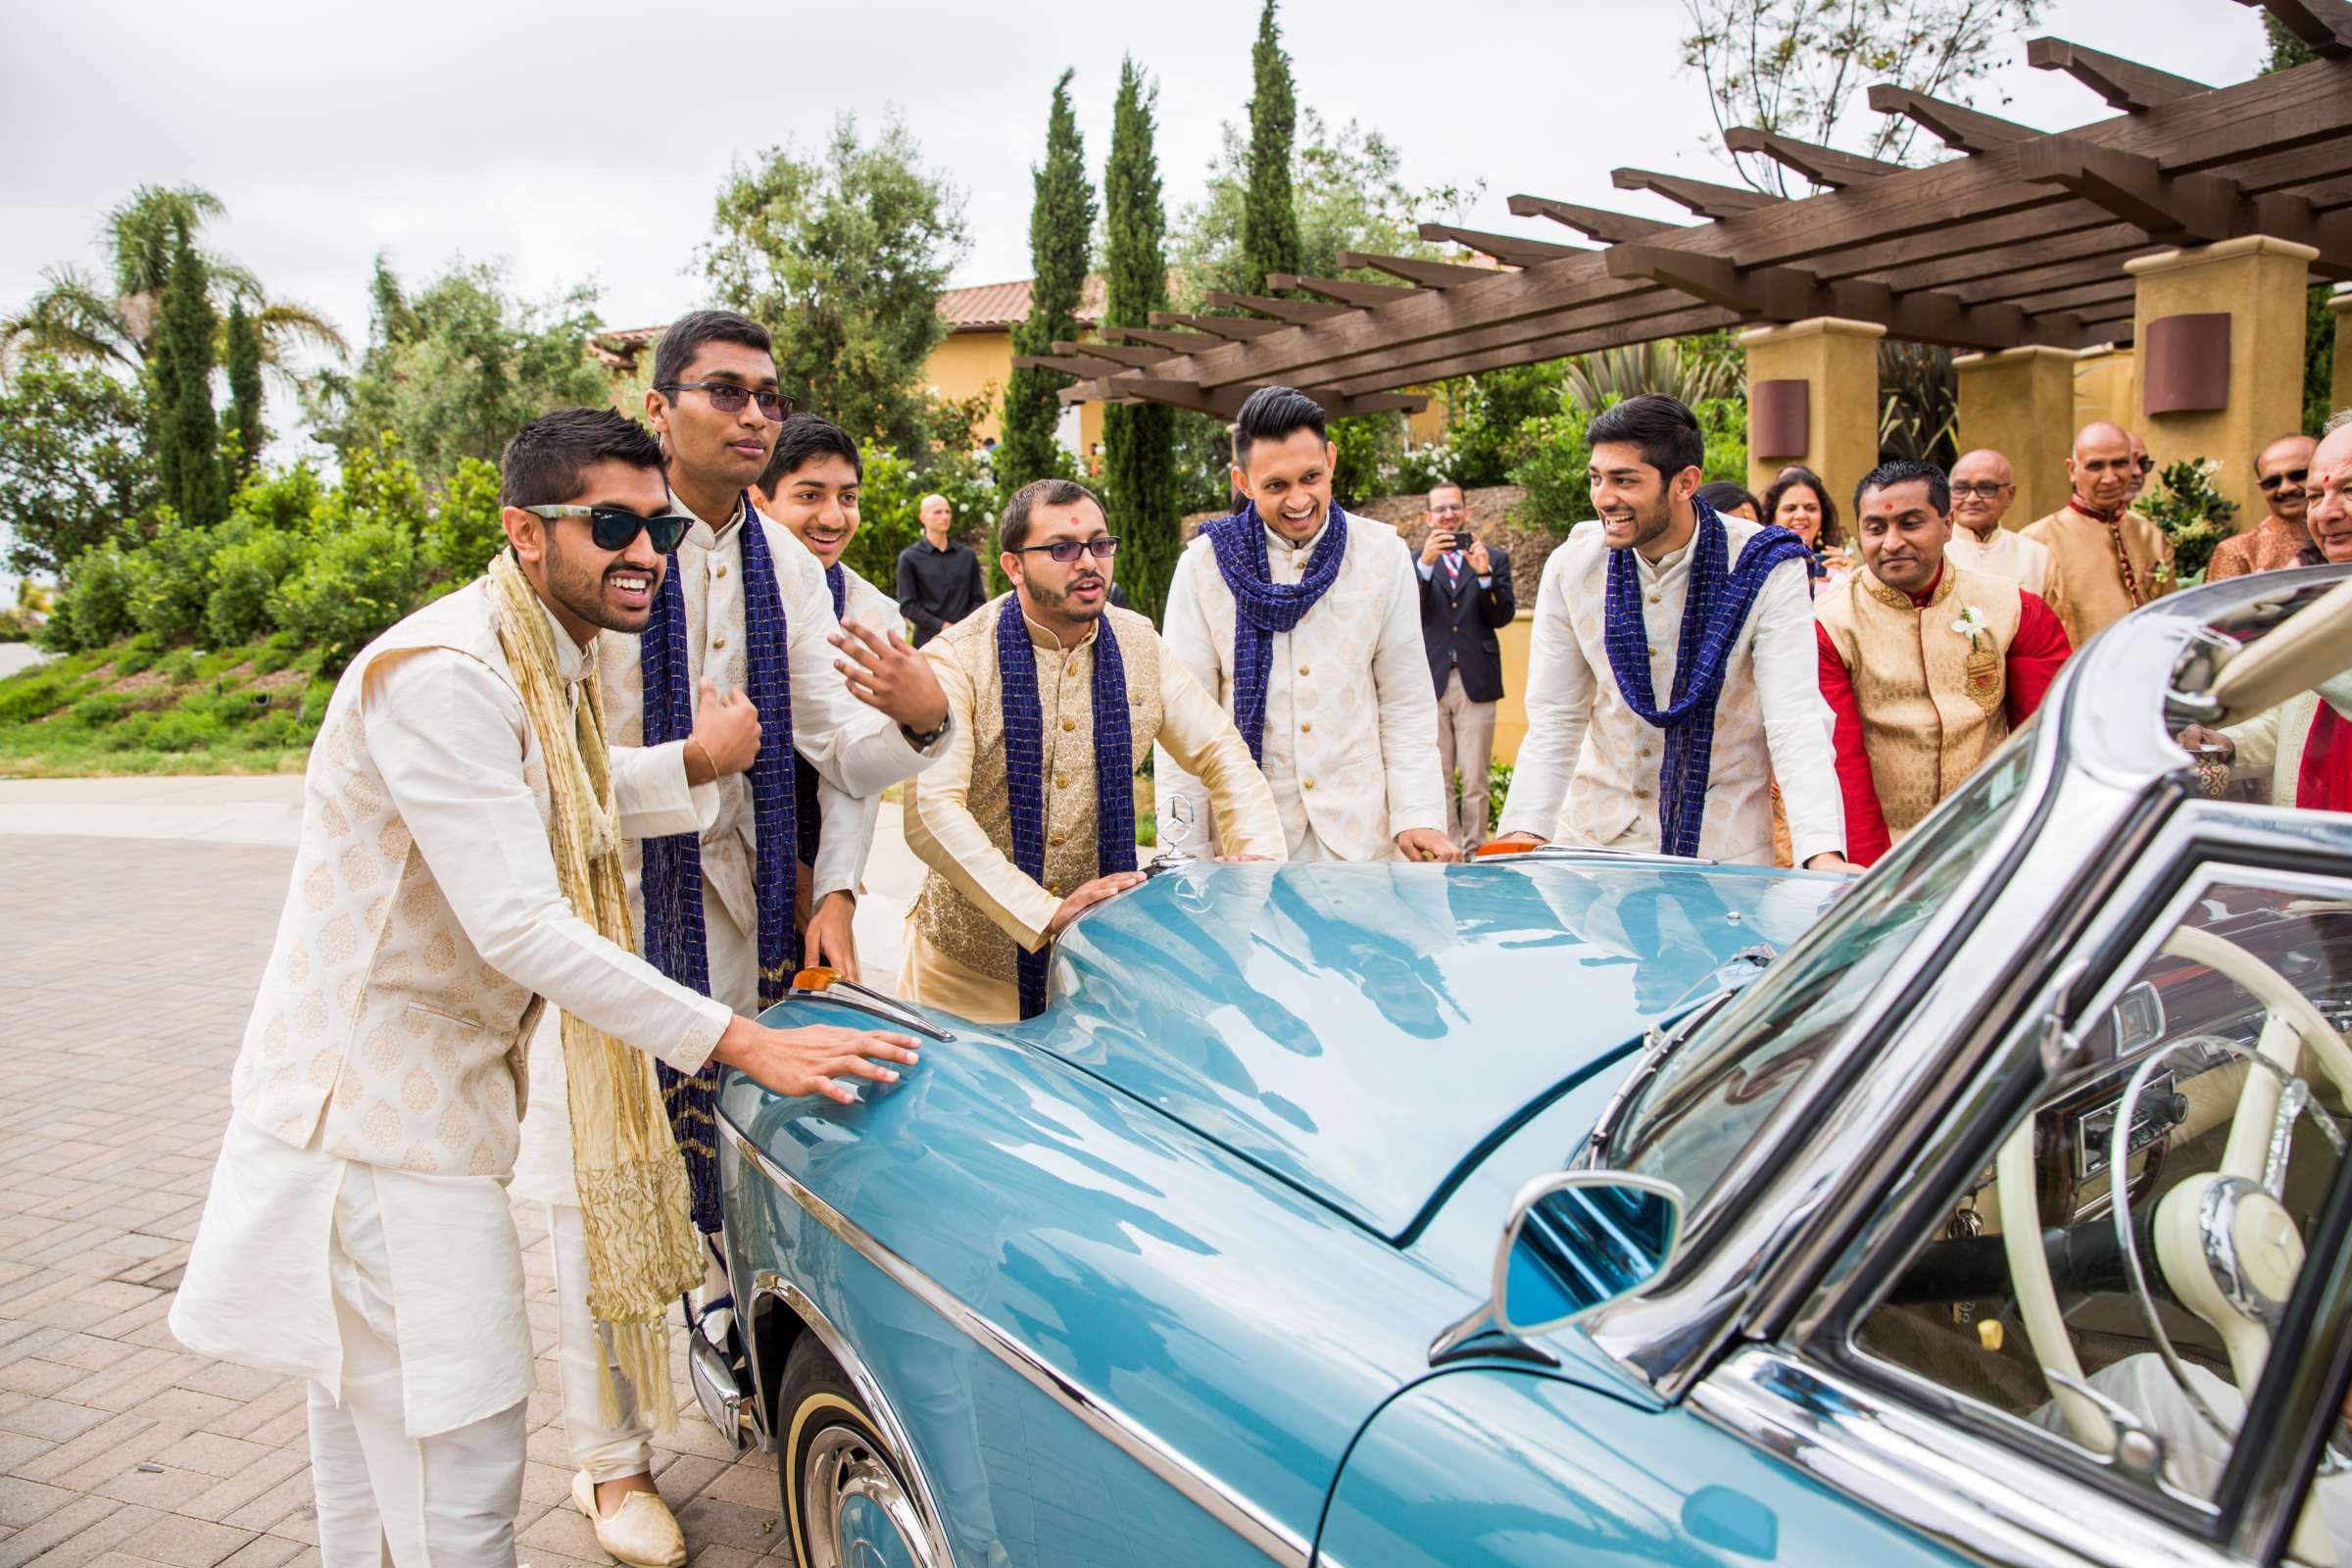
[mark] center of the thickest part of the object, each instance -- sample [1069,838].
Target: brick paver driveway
[124,979]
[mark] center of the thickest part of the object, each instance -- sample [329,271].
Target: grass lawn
[140,707]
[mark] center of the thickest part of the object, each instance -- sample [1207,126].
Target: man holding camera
[1465,598]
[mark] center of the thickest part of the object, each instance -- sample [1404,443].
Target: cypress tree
[1061,222]
[1139,447]
[189,458]
[1269,213]
[244,391]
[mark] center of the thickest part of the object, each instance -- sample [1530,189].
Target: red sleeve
[1866,835]
[2034,655]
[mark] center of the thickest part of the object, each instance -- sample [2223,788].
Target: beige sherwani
[2010,553]
[2276,740]
[2085,551]
[423,926]
[976,904]
[1587,770]
[1350,741]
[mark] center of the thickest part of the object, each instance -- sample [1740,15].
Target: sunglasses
[2271,481]
[613,528]
[1066,550]
[728,398]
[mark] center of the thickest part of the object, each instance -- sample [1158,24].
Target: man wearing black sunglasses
[1029,819]
[744,615]
[2283,538]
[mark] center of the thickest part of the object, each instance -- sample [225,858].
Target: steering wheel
[2225,1245]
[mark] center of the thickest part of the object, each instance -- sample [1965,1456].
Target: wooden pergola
[2019,240]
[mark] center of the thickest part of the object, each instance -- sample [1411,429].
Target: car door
[2106,1315]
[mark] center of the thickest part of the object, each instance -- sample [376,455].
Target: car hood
[1366,1032]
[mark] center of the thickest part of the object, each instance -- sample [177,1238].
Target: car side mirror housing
[1577,1241]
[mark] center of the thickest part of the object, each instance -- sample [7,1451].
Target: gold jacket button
[1061,781]
[1304,726]
[1069,723]
[1641,795]
[718,642]
[1301,670]
[1308,783]
[1055,839]
[722,571]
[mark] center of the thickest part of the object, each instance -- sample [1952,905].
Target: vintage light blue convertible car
[1587,1208]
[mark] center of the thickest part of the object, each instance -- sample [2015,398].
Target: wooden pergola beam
[1443,364]
[2324,26]
[1593,223]
[2126,84]
[1421,274]
[1295,312]
[1086,365]
[1342,291]
[1179,342]
[1824,166]
[2203,208]
[1512,249]
[1961,128]
[1226,402]
[1117,352]
[1706,199]
[1231,328]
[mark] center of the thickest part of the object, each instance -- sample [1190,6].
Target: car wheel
[844,1500]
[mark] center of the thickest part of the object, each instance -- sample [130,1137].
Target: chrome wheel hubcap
[858,1516]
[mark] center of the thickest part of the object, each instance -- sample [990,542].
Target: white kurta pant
[448,1500]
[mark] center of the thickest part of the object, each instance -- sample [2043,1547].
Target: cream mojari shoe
[641,1532]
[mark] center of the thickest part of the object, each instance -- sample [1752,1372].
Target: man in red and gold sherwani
[2110,559]
[2280,539]
[1927,667]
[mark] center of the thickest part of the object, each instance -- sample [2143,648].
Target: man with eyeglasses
[1029,819]
[1983,488]
[2110,559]
[2279,539]
[1465,597]
[743,611]
[457,879]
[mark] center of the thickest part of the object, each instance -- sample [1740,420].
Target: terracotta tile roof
[1000,307]
[982,308]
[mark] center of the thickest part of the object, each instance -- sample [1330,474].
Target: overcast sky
[586,141]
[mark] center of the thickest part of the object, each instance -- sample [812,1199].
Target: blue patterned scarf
[1025,769]
[1263,607]
[674,938]
[804,776]
[1714,609]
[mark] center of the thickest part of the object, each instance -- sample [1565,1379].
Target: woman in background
[1800,503]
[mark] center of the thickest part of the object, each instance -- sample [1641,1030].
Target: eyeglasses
[2271,481]
[1066,550]
[728,398]
[1449,508]
[613,528]
[1987,488]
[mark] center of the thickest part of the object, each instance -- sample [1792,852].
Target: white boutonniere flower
[1971,623]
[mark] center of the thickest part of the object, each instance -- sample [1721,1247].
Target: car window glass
[2219,1077]
[1690,1121]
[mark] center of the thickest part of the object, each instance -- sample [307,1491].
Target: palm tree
[80,317]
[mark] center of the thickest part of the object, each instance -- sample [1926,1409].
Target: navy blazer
[1458,621]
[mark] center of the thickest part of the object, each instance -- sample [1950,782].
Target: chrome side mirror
[1572,1243]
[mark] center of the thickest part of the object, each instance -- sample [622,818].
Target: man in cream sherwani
[358,1232]
[1678,586]
[717,410]
[1305,623]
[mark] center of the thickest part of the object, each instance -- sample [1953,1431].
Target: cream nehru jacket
[1350,739]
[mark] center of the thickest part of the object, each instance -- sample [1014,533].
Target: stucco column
[2220,337]
[1813,386]
[2340,394]
[2021,403]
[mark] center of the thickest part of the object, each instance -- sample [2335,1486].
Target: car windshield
[1690,1122]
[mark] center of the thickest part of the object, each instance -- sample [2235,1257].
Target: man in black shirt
[938,581]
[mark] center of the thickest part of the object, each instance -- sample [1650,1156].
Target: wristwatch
[929,738]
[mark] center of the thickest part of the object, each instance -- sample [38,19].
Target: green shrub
[179,668]
[281,499]
[1485,415]
[127,734]
[94,607]
[139,656]
[279,730]
[1553,470]
[247,568]
[170,577]
[464,531]
[32,692]
[889,496]
[180,730]
[353,584]
[281,650]
[98,711]
[2193,515]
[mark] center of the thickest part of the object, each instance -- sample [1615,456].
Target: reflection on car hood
[1363,1031]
